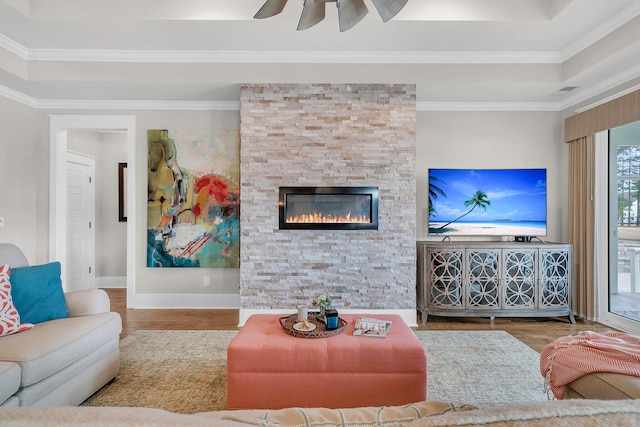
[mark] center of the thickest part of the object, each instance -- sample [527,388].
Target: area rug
[180,371]
[185,371]
[482,368]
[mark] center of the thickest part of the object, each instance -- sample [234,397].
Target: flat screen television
[488,202]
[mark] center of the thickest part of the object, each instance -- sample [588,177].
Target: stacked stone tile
[328,135]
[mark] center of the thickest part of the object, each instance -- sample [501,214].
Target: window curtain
[579,133]
[582,224]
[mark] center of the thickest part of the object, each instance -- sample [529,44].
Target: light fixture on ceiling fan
[350,12]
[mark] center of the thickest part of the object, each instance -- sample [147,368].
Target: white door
[80,256]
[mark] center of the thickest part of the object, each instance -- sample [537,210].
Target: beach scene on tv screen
[488,202]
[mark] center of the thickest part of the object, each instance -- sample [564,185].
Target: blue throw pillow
[37,293]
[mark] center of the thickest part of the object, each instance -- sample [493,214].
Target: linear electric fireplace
[328,208]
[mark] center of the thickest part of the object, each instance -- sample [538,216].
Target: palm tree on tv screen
[478,199]
[434,191]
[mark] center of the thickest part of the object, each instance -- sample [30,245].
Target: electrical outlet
[207,281]
[1,222]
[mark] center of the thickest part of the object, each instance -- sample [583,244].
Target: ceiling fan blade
[389,8]
[312,13]
[270,8]
[350,12]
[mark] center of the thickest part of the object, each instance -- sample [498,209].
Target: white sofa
[60,362]
[562,413]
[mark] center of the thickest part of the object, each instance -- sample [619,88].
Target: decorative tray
[318,330]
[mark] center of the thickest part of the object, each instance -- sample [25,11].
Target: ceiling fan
[350,12]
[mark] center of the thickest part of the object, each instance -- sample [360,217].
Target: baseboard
[111,282]
[195,301]
[232,301]
[409,316]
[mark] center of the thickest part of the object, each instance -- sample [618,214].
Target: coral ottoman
[270,369]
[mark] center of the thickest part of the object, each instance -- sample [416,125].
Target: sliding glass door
[622,304]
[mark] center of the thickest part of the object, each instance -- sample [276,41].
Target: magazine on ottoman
[368,327]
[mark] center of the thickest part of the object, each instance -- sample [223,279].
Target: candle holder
[331,318]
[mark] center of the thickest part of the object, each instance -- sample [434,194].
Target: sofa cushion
[12,255]
[9,317]
[387,416]
[604,385]
[539,414]
[37,293]
[76,382]
[88,301]
[9,380]
[53,345]
[558,413]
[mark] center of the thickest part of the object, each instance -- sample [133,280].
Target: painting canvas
[193,204]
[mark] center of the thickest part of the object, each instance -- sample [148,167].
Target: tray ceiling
[461,54]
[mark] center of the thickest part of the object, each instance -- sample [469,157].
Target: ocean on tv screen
[507,228]
[491,202]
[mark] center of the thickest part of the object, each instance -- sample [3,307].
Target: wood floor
[536,333]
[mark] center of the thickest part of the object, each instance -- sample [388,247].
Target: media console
[494,279]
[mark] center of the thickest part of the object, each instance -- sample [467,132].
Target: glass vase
[320,316]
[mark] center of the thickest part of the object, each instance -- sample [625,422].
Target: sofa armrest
[90,301]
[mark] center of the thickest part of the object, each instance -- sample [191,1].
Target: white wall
[494,140]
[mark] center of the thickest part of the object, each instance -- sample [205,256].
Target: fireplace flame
[320,218]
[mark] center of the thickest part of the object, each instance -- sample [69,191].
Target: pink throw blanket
[568,358]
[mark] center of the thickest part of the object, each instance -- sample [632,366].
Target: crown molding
[601,31]
[73,104]
[601,87]
[461,106]
[383,57]
[18,97]
[70,104]
[278,57]
[487,106]
[14,47]
[609,98]
[283,57]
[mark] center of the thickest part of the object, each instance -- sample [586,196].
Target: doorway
[624,222]
[58,131]
[617,192]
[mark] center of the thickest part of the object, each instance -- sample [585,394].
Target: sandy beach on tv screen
[480,229]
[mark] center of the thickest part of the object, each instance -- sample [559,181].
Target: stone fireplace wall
[328,135]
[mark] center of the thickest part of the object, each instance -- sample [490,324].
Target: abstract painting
[193,203]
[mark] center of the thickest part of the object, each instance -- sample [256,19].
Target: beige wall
[443,139]
[168,284]
[176,280]
[494,140]
[111,252]
[22,159]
